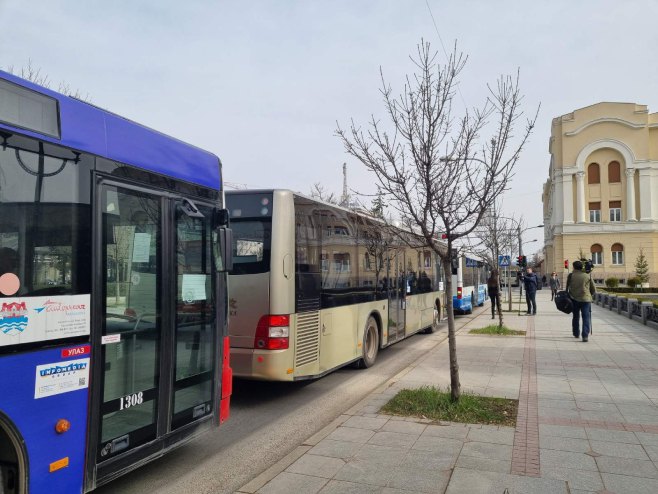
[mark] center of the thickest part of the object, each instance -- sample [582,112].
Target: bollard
[645,306]
[612,302]
[631,303]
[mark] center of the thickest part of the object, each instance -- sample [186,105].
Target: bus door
[157,318]
[397,289]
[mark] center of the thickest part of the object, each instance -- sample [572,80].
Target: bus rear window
[251,245]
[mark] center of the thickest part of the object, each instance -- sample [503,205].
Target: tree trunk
[499,306]
[455,387]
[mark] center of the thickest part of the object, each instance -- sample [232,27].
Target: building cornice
[608,228]
[620,121]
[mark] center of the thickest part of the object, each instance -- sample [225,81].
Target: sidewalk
[587,421]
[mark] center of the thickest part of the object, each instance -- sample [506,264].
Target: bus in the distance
[315,286]
[469,281]
[113,287]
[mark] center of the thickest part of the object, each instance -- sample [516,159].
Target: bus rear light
[459,292]
[272,332]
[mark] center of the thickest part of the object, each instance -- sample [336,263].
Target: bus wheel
[12,463]
[370,343]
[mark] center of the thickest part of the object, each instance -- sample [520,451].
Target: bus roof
[91,129]
[359,212]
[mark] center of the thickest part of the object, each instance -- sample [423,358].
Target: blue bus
[469,281]
[113,292]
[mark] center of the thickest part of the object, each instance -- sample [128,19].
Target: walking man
[531,282]
[494,294]
[554,282]
[581,289]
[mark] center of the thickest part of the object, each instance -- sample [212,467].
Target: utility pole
[345,199]
[520,253]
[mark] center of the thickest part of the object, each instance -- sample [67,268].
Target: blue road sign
[471,263]
[504,261]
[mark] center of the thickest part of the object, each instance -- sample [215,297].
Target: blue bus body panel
[35,420]
[90,129]
[482,295]
[463,304]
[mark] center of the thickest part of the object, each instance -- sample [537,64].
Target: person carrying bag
[581,289]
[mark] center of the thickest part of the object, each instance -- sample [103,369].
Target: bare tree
[495,235]
[318,192]
[435,170]
[34,74]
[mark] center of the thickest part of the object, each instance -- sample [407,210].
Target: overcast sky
[262,83]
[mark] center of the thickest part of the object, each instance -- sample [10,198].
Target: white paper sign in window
[141,247]
[194,287]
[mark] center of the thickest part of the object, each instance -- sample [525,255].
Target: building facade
[601,198]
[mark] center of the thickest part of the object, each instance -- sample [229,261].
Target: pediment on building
[615,120]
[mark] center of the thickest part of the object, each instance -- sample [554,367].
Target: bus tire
[370,345]
[436,319]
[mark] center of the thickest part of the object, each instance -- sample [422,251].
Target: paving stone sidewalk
[587,421]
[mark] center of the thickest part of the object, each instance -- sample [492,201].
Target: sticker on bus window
[110,338]
[61,377]
[33,319]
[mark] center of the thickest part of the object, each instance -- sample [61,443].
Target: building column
[630,194]
[567,201]
[646,194]
[557,200]
[580,197]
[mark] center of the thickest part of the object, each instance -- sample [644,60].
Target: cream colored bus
[315,287]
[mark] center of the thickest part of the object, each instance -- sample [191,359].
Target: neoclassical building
[601,198]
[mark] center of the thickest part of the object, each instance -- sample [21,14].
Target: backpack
[563,302]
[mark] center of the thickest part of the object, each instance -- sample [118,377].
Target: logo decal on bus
[56,306]
[13,317]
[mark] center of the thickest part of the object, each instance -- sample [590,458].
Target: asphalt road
[268,420]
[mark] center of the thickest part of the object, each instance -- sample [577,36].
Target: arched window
[617,254]
[597,254]
[593,174]
[614,172]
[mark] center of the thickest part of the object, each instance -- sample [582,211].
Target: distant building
[601,198]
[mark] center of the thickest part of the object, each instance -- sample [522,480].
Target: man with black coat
[582,291]
[531,282]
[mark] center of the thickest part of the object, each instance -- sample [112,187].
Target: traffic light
[566,264]
[519,261]
[525,261]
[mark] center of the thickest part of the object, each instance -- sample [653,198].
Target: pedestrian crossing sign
[504,261]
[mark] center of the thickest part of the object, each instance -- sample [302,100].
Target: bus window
[195,318]
[251,245]
[44,226]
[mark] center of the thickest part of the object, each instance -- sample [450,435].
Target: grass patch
[494,329]
[432,403]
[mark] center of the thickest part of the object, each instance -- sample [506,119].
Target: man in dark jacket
[531,282]
[581,289]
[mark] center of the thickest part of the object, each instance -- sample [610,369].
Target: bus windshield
[251,245]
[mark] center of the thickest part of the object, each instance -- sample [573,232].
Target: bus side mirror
[221,218]
[224,249]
